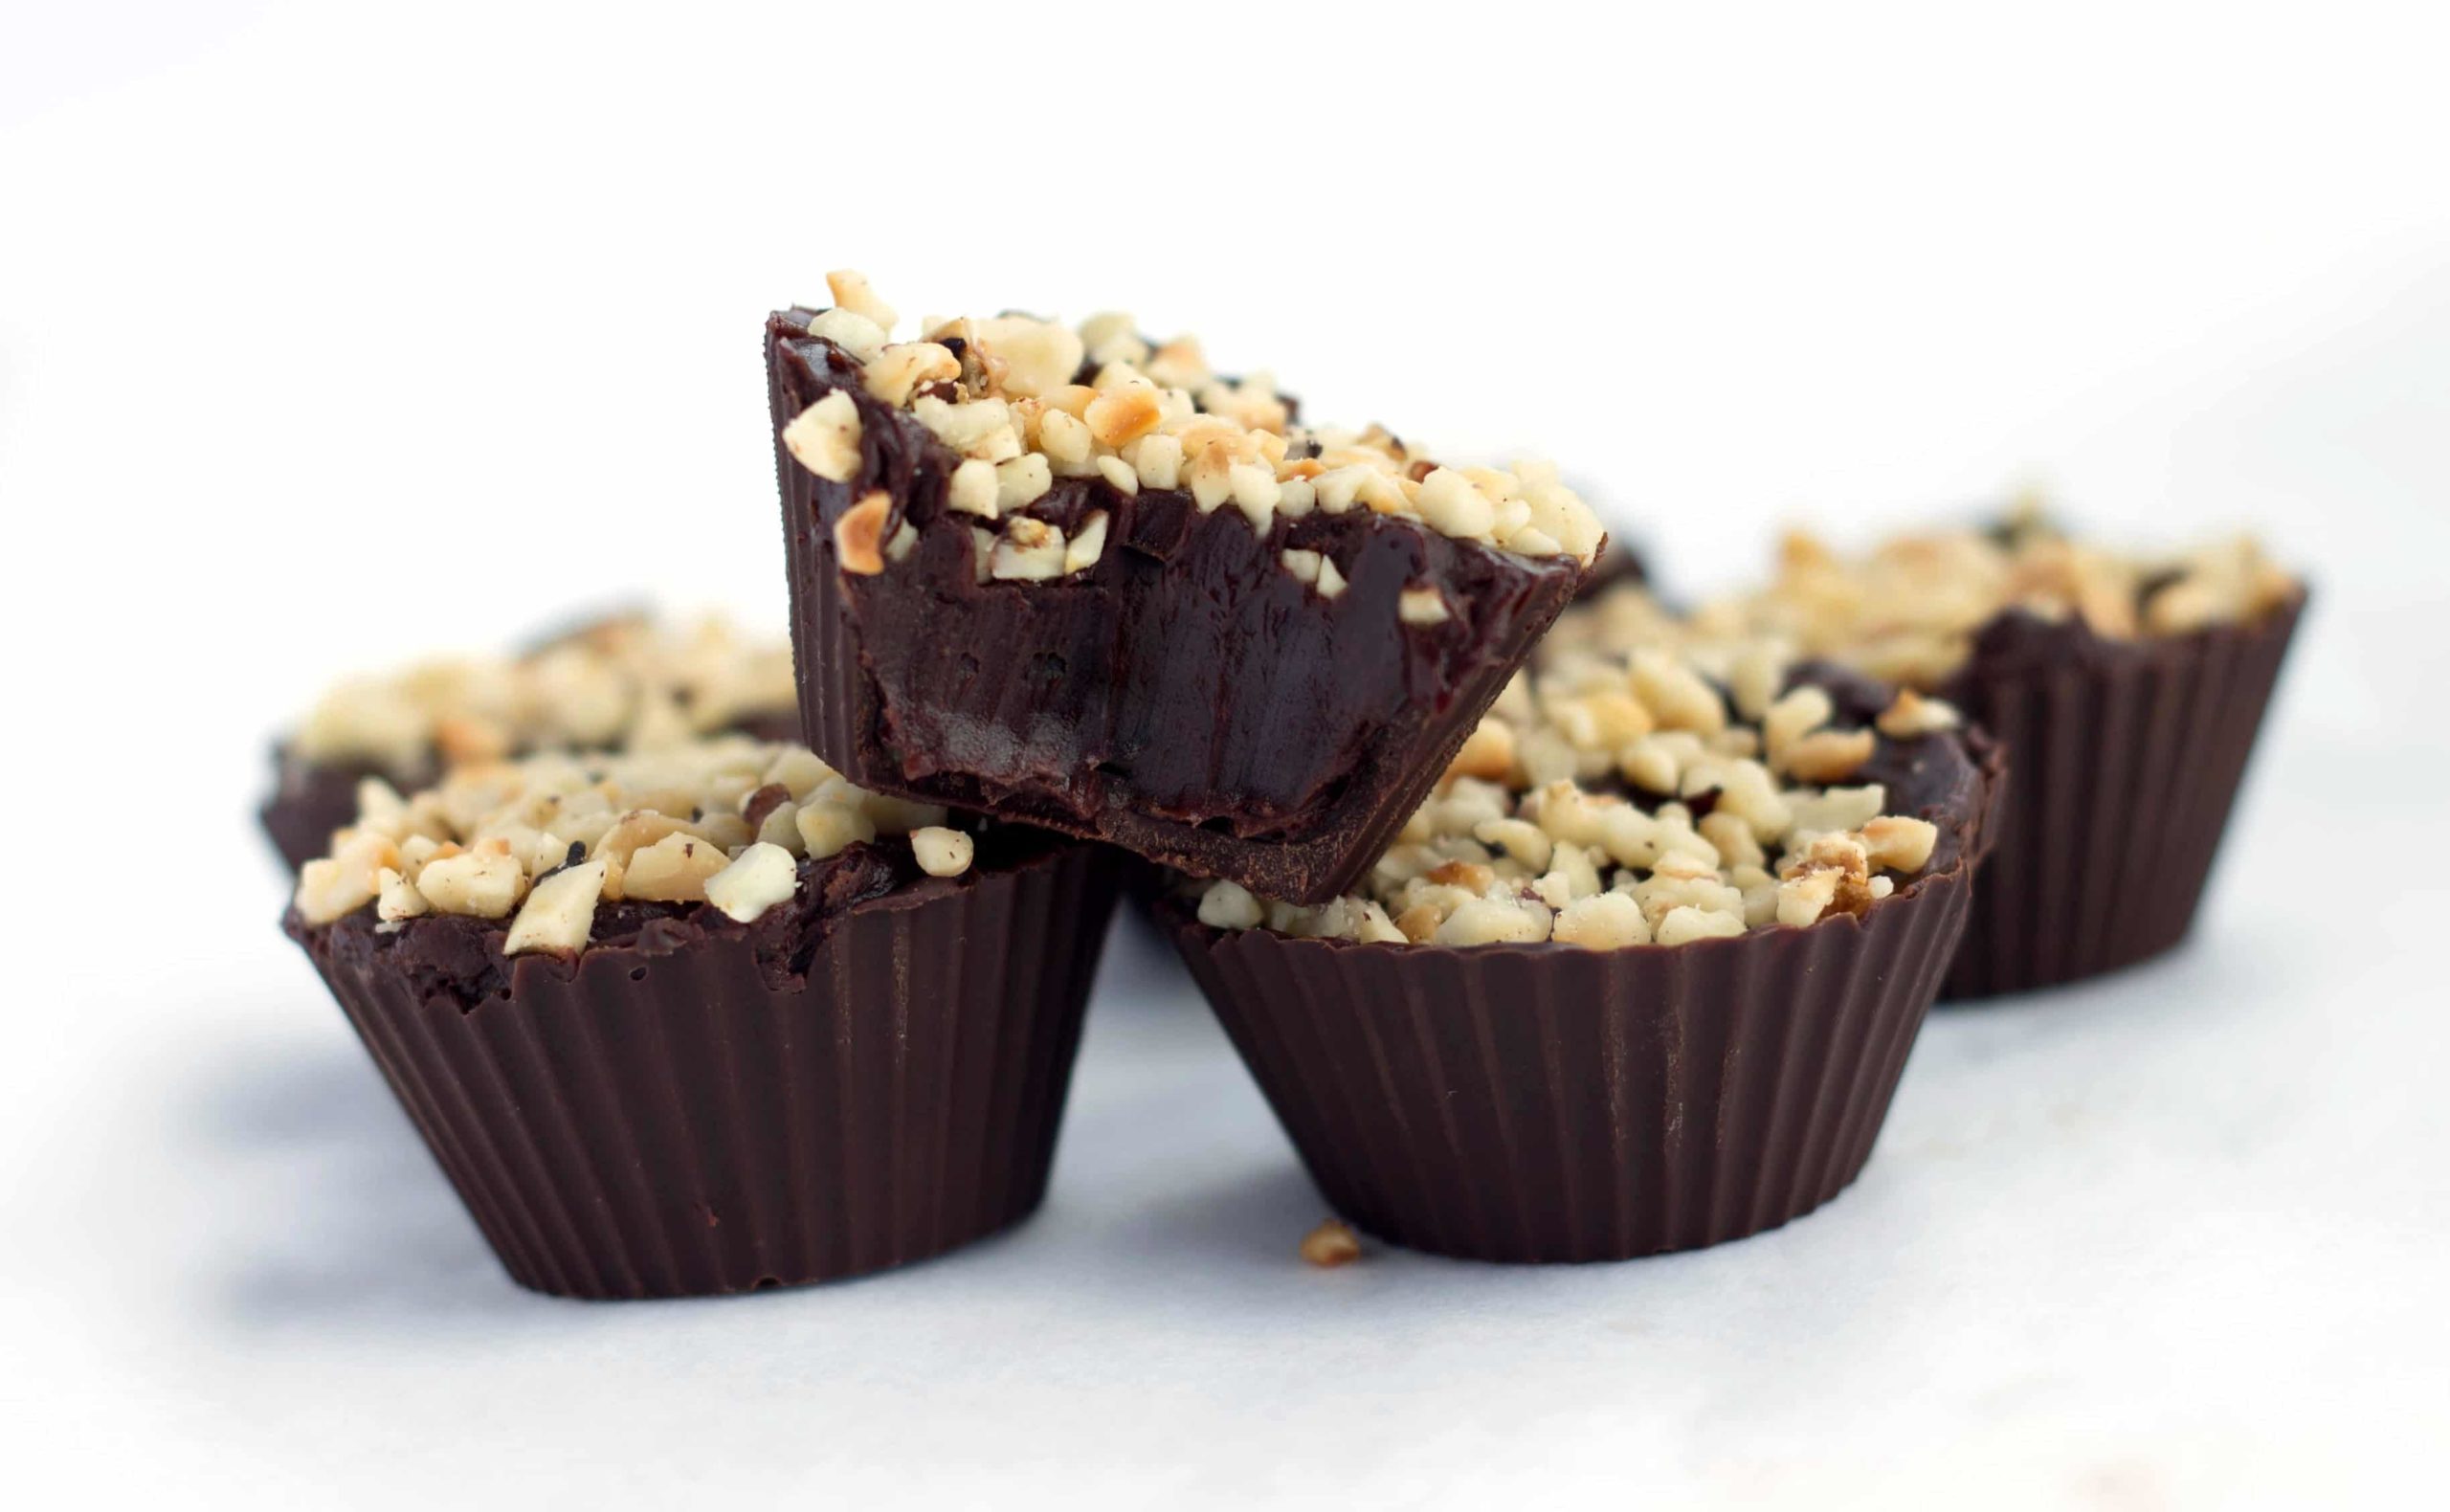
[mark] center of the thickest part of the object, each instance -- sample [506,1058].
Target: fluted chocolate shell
[2129,757]
[695,1106]
[1185,697]
[1545,1102]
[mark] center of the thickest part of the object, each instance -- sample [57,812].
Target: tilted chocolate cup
[1185,697]
[2129,757]
[652,1119]
[1546,1102]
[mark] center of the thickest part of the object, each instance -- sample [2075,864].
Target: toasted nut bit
[466,739]
[475,884]
[1332,583]
[398,898]
[1022,481]
[852,291]
[827,827]
[896,373]
[674,870]
[1607,922]
[1229,905]
[1118,472]
[1792,717]
[854,333]
[560,911]
[1912,714]
[763,876]
[981,430]
[1083,548]
[972,490]
[328,889]
[1031,550]
[1422,606]
[941,852]
[1330,1244]
[1684,924]
[1452,507]
[858,536]
[1158,460]
[906,539]
[1827,756]
[1039,356]
[825,438]
[1303,564]
[1487,754]
[1900,843]
[1066,444]
[1120,418]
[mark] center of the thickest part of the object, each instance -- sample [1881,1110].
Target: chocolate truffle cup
[1185,697]
[1545,1102]
[2129,757]
[683,1111]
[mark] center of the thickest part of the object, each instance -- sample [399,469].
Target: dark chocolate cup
[1545,1102]
[1184,697]
[308,801]
[680,1122]
[2129,756]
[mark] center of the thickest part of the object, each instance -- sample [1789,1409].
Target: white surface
[327,341]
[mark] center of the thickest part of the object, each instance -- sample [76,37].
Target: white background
[332,336]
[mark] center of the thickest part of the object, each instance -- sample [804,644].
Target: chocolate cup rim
[911,897]
[2081,645]
[1991,765]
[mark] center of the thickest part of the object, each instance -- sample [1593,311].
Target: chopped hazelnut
[1330,1244]
[860,534]
[1422,606]
[762,876]
[825,438]
[559,913]
[941,852]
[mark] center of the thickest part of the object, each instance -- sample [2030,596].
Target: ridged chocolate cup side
[679,1123]
[1544,1103]
[2129,757]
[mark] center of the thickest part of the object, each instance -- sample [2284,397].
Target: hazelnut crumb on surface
[1331,1244]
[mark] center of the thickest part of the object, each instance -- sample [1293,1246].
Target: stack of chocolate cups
[1618,953]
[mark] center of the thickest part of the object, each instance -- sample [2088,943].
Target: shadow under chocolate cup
[2129,757]
[1546,1102]
[1184,697]
[696,1106]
